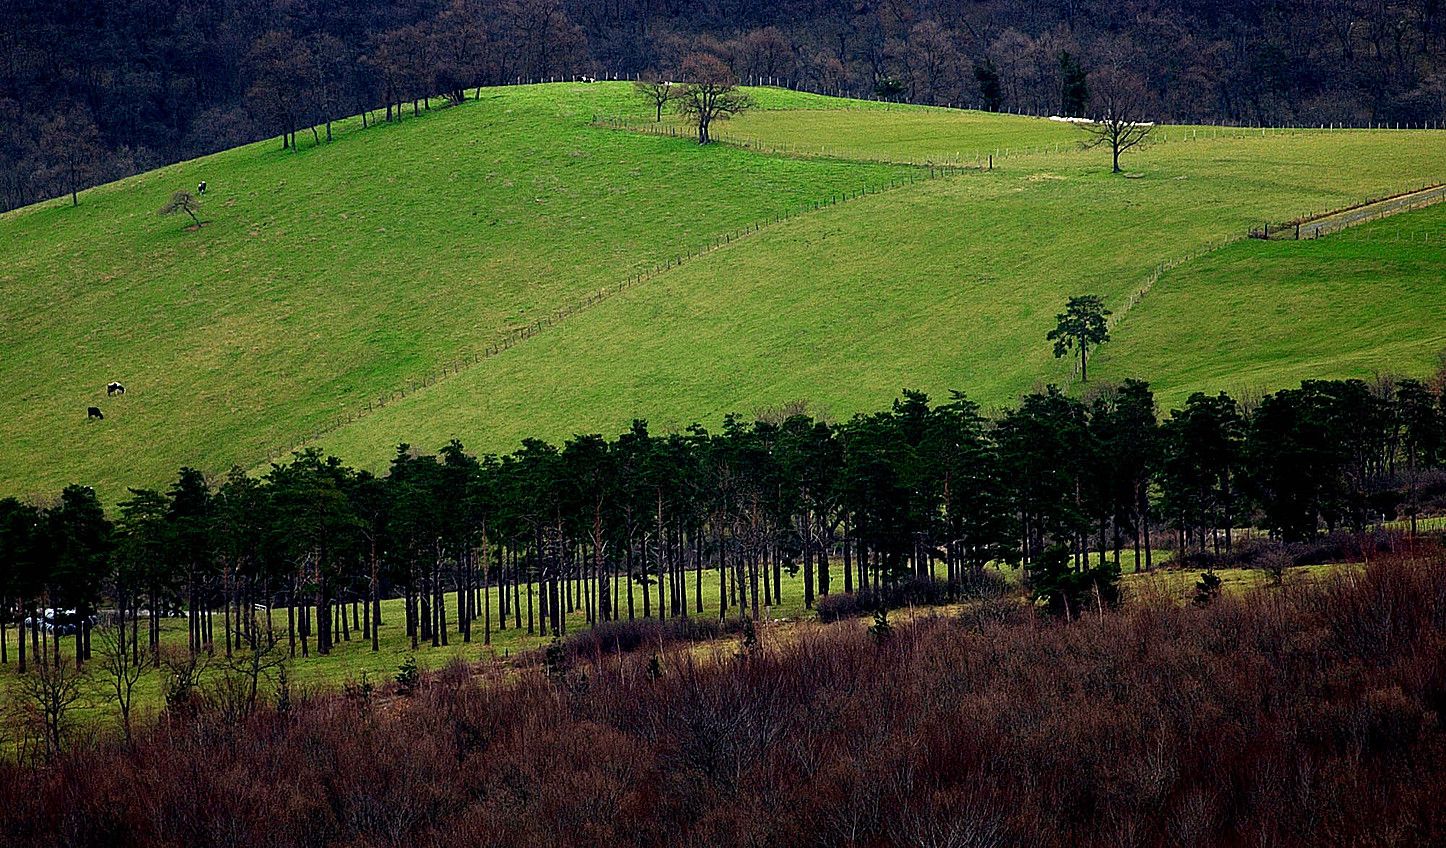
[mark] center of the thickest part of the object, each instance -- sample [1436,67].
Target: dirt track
[1335,221]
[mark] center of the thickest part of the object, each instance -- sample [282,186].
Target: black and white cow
[113,388]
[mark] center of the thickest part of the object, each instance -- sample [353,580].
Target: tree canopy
[1083,324]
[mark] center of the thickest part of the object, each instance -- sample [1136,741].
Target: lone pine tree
[1081,324]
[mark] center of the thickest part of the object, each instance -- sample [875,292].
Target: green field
[948,284]
[333,276]
[329,277]
[1261,313]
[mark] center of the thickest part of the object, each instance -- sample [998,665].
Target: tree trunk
[486,593]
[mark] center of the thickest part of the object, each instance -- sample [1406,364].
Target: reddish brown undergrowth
[1300,716]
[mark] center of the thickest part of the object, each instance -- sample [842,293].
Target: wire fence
[1333,221]
[823,151]
[1144,288]
[1395,235]
[981,159]
[846,95]
[1328,222]
[516,335]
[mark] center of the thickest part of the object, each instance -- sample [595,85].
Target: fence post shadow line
[512,337]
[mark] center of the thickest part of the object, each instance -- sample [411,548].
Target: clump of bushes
[408,677]
[912,591]
[1267,554]
[627,636]
[1068,591]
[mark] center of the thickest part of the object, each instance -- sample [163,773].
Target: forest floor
[352,661]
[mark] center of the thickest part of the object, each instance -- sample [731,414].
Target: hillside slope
[950,284]
[1260,314]
[333,275]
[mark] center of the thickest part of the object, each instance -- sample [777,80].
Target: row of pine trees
[628,527]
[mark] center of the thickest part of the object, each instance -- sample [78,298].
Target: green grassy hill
[330,277]
[1262,313]
[948,284]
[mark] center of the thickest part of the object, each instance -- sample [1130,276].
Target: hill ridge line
[557,316]
[982,158]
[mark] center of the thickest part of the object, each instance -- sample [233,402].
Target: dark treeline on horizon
[627,528]
[95,91]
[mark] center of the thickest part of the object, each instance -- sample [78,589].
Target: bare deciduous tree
[1123,101]
[657,91]
[51,691]
[182,201]
[124,669]
[710,93]
[238,685]
[72,145]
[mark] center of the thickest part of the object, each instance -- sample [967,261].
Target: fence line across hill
[1183,132]
[785,149]
[925,170]
[1238,129]
[1152,278]
[1399,235]
[981,158]
[1410,200]
[517,335]
[1330,221]
[976,160]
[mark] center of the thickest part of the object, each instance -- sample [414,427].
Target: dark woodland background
[91,90]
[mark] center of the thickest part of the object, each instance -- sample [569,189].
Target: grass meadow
[331,276]
[947,284]
[1366,301]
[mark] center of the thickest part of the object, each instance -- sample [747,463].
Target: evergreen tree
[1083,323]
[1074,94]
[991,90]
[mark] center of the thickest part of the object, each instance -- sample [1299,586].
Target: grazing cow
[113,388]
[94,413]
[201,187]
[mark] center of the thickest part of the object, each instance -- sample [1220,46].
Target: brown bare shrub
[1304,715]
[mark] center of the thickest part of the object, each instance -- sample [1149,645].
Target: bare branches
[1122,100]
[51,690]
[182,201]
[124,670]
[657,91]
[710,93]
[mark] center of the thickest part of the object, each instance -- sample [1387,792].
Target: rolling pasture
[332,276]
[1366,301]
[948,284]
